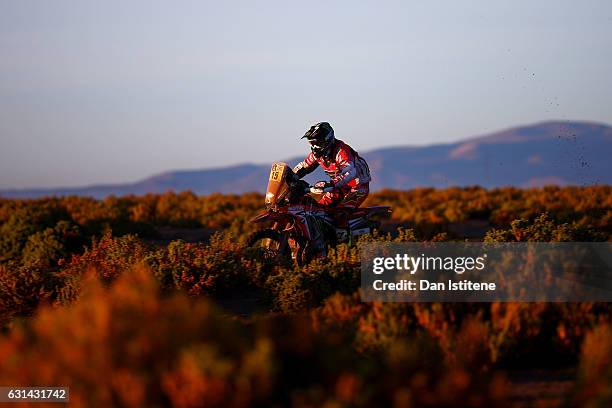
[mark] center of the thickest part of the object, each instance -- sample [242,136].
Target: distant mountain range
[560,153]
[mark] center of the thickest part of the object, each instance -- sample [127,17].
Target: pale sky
[115,91]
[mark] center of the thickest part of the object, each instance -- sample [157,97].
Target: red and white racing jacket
[346,168]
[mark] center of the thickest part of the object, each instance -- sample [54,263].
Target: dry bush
[544,229]
[327,347]
[126,345]
[594,385]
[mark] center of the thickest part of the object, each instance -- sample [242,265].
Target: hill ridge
[547,152]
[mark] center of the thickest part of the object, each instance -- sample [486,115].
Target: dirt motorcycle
[301,229]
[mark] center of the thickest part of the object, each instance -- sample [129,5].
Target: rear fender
[369,211]
[380,209]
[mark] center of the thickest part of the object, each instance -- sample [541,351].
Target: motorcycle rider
[349,183]
[349,174]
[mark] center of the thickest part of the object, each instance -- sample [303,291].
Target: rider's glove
[324,186]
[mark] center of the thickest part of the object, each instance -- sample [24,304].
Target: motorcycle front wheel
[277,247]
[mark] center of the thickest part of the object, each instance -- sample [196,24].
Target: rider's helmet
[321,139]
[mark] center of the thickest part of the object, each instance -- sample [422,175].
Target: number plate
[276,173]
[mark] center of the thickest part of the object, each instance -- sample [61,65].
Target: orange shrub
[127,345]
[594,385]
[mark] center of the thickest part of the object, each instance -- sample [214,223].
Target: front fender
[268,216]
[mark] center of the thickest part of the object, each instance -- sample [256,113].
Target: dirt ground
[541,388]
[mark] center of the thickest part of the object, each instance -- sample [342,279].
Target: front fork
[284,237]
[288,238]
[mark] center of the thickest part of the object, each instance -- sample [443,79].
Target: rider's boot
[341,219]
[320,248]
[317,247]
